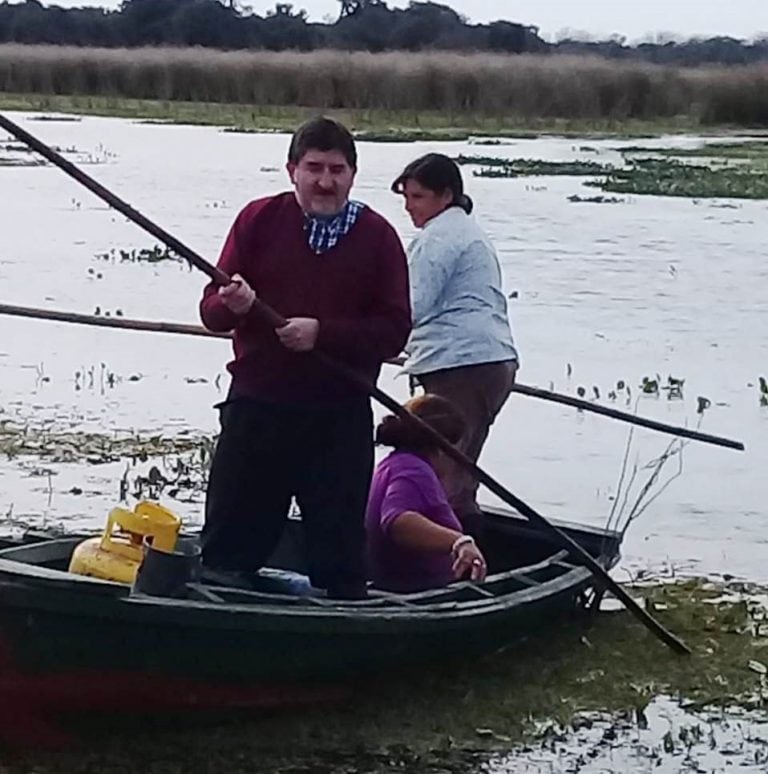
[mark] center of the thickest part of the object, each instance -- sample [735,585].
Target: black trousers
[267,454]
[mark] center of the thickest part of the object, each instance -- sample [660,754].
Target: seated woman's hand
[468,560]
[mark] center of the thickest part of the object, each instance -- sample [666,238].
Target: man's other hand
[300,334]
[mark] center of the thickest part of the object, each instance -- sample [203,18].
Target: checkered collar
[323,234]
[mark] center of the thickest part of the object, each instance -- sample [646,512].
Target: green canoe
[82,641]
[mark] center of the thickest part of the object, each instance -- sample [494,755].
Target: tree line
[361,25]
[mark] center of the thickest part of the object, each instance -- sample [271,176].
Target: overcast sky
[633,18]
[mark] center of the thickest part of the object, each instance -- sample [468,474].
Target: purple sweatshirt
[406,482]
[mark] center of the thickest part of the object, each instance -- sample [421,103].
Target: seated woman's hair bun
[437,412]
[389,431]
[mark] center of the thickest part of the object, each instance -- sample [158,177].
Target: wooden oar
[271,317]
[623,416]
[607,411]
[522,389]
[100,321]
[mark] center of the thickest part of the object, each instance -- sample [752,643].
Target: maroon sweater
[358,291]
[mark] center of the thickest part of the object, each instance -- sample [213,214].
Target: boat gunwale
[177,611]
[401,606]
[441,612]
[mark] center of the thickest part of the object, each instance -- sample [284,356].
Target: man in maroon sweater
[292,427]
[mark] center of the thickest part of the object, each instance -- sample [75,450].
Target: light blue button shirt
[459,309]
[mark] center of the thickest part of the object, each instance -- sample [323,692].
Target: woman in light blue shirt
[461,346]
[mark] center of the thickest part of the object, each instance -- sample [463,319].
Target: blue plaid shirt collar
[323,234]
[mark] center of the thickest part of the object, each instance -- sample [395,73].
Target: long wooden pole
[100,321]
[624,416]
[276,320]
[522,389]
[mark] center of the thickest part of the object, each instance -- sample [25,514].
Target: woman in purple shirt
[415,541]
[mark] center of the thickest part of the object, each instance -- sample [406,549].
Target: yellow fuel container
[117,554]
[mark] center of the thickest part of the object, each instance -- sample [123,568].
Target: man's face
[323,180]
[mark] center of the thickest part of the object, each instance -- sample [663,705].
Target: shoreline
[368,125]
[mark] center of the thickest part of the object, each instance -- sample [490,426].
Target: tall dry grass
[462,84]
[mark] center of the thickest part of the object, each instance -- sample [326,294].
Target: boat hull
[52,622]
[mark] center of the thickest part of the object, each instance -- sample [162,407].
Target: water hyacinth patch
[499,167]
[750,150]
[14,154]
[731,170]
[411,135]
[154,254]
[670,177]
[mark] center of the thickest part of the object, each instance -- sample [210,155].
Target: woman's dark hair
[439,173]
[437,412]
[323,134]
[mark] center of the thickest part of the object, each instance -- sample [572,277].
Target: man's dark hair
[323,134]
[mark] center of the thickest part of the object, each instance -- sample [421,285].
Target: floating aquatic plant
[24,156]
[492,166]
[650,386]
[657,172]
[412,135]
[673,386]
[154,254]
[181,476]
[670,177]
[57,119]
[7,161]
[599,199]
[69,446]
[751,150]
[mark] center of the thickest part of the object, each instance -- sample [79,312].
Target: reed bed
[525,87]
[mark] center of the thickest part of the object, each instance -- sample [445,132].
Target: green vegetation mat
[732,170]
[446,718]
[675,178]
